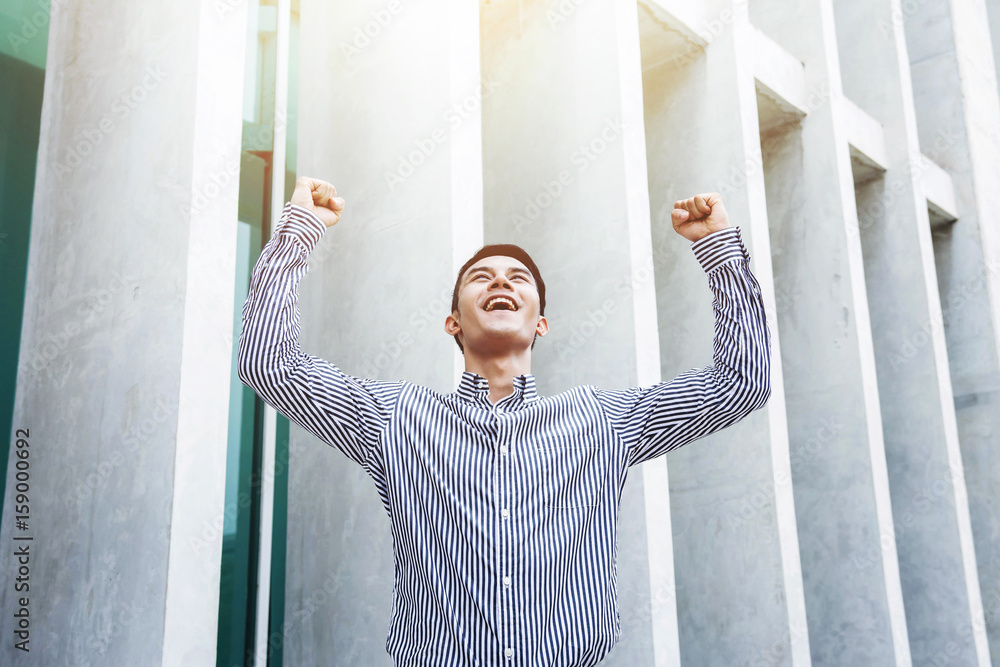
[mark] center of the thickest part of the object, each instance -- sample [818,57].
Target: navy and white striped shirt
[504,516]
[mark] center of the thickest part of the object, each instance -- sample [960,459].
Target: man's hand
[699,216]
[319,197]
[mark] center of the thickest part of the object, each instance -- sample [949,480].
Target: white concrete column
[740,597]
[993,9]
[389,112]
[565,177]
[126,340]
[930,510]
[834,419]
[958,115]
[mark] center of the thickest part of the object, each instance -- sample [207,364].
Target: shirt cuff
[719,247]
[302,224]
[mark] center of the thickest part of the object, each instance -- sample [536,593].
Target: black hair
[505,250]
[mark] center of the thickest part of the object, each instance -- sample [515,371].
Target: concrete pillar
[958,116]
[834,420]
[389,112]
[930,510]
[565,177]
[123,385]
[993,9]
[740,598]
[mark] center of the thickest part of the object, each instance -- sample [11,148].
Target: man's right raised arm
[344,411]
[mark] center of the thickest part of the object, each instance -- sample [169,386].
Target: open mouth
[499,302]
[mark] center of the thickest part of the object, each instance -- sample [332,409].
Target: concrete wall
[124,361]
[412,185]
[563,164]
[958,116]
[731,503]
[834,420]
[931,529]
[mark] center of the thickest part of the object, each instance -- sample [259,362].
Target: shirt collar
[474,387]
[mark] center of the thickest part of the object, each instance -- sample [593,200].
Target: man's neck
[499,371]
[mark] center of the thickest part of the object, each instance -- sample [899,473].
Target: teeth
[491,304]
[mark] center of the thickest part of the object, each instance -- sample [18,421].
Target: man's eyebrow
[491,270]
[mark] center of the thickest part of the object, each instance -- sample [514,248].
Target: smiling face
[498,307]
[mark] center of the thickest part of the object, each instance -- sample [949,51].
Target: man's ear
[451,325]
[542,327]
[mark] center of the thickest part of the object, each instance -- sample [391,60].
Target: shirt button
[505,512]
[506,581]
[503,449]
[509,652]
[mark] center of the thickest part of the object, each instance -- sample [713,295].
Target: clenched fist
[699,216]
[319,197]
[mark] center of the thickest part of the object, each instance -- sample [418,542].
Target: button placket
[504,467]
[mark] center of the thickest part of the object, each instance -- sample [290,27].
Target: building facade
[162,515]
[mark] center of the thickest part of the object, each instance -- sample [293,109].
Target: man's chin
[498,339]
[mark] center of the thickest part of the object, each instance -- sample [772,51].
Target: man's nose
[500,281]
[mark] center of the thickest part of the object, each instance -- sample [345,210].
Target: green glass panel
[24,25]
[22,78]
[276,618]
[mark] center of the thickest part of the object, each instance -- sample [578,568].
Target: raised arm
[341,410]
[654,420]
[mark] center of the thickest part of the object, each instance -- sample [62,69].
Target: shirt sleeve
[657,419]
[344,411]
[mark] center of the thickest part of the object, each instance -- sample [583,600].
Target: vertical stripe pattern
[503,516]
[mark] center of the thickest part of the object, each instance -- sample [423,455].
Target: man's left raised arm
[657,419]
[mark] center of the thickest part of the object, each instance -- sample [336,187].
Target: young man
[503,504]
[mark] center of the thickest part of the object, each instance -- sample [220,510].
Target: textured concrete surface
[930,510]
[564,176]
[123,379]
[958,115]
[379,285]
[834,419]
[736,556]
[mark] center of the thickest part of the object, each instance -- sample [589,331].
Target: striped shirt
[503,516]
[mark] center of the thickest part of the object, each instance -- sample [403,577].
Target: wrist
[711,231]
